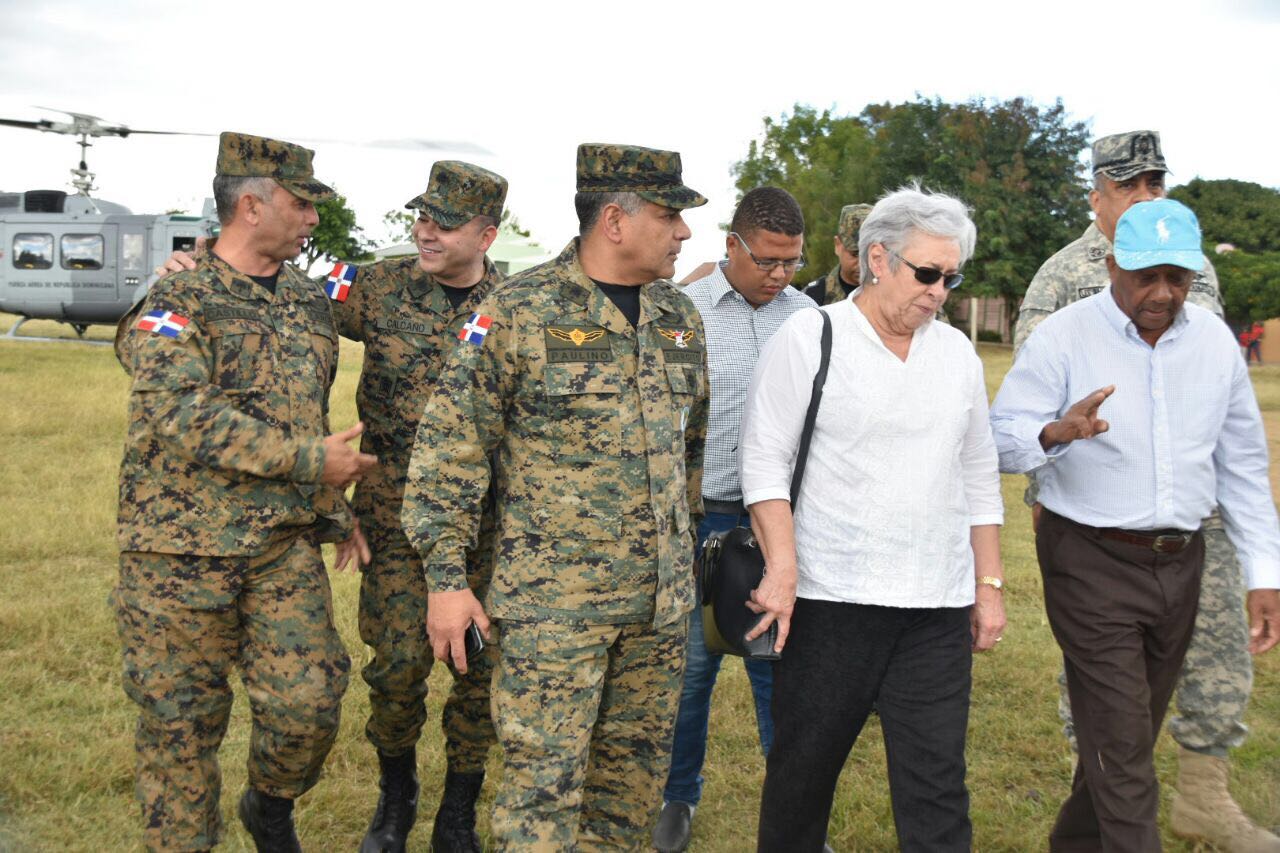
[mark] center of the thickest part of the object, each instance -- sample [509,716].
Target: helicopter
[78,259]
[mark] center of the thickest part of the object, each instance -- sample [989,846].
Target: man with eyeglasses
[742,302]
[1217,674]
[845,276]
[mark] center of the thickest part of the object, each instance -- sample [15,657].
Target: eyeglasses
[771,264]
[929,275]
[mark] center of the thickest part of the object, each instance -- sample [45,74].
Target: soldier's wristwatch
[989,580]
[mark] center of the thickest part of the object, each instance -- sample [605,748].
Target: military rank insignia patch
[576,345]
[339,282]
[164,323]
[474,330]
[680,345]
[680,337]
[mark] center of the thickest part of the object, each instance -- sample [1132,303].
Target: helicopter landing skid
[12,335]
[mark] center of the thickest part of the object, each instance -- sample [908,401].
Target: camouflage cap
[1123,155]
[651,174]
[851,218]
[457,192]
[243,156]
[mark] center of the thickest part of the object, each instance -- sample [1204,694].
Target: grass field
[66,756]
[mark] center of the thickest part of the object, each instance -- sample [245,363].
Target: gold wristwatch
[991,581]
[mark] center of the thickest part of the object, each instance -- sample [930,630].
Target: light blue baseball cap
[1153,233]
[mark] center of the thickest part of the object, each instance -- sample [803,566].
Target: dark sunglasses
[928,275]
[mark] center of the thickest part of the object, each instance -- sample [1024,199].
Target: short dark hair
[589,206]
[768,209]
[486,221]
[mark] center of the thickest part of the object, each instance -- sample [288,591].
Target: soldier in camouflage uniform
[407,311]
[1217,674]
[844,277]
[587,378]
[229,484]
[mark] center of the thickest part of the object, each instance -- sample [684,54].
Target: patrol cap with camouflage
[1120,156]
[851,219]
[458,191]
[241,155]
[651,174]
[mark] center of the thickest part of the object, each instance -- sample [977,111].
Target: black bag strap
[815,398]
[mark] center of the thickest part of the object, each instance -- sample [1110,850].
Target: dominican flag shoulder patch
[339,282]
[164,323]
[474,330]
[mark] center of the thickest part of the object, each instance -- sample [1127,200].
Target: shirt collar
[1124,326]
[718,287]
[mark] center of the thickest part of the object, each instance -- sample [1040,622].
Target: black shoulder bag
[733,564]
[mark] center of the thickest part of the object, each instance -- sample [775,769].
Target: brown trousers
[1123,615]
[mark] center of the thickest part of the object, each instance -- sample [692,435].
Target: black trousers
[1123,616]
[840,660]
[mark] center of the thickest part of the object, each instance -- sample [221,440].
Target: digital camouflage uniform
[221,517]
[1217,674]
[408,328]
[828,290]
[598,430]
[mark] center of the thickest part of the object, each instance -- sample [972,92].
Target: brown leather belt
[1161,543]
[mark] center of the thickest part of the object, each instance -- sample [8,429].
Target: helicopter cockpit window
[33,251]
[184,244]
[82,251]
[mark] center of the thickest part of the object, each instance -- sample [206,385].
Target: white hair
[908,211]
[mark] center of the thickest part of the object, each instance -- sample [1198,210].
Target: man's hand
[343,465]
[987,619]
[775,598]
[1264,620]
[353,549]
[1080,421]
[179,261]
[448,616]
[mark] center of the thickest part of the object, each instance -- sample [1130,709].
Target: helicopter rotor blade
[43,124]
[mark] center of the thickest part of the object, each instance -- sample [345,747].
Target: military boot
[455,829]
[270,822]
[397,804]
[1204,811]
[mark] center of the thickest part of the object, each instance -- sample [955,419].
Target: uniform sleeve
[1205,291]
[1244,490]
[449,470]
[695,434]
[1041,300]
[348,315]
[175,395]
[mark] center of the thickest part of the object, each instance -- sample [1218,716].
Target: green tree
[399,225]
[1241,213]
[336,237]
[510,224]
[1017,164]
[1250,285]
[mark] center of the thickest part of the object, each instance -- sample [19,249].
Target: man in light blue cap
[1119,542]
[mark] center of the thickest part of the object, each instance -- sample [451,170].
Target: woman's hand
[987,618]
[775,598]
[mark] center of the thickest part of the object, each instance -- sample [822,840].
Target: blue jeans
[684,783]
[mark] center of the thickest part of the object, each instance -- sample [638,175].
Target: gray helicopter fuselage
[83,260]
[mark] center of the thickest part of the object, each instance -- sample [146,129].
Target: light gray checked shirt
[736,333]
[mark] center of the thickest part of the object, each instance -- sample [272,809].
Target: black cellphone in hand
[473,641]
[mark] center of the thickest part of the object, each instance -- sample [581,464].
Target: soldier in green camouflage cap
[407,312]
[230,482]
[580,388]
[1217,674]
[845,275]
[243,156]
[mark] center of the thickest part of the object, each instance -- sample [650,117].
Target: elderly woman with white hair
[888,575]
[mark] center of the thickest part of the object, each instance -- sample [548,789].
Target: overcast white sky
[529,81]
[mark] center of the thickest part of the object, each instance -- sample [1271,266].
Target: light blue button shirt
[1185,431]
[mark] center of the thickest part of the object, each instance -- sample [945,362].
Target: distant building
[510,253]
